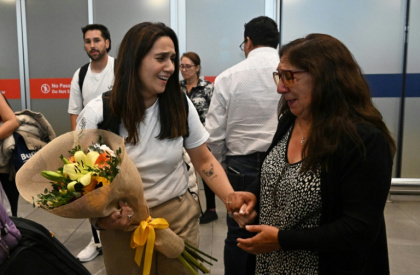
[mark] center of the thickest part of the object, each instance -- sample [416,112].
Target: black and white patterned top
[289,200]
[200,96]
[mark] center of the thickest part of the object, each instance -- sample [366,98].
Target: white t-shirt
[160,162]
[93,85]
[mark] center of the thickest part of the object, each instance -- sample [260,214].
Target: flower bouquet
[90,185]
[80,174]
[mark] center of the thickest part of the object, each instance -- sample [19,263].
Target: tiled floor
[402,218]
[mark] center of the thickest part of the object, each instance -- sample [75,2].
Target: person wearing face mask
[327,174]
[89,81]
[200,92]
[152,117]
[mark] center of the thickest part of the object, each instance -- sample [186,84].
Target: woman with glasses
[326,177]
[200,92]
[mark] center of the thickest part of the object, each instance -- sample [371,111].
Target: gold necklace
[302,139]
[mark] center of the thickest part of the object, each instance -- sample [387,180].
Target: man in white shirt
[88,82]
[93,78]
[242,120]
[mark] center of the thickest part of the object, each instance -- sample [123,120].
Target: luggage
[39,252]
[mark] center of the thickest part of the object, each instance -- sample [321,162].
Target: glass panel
[215,29]
[55,46]
[372,30]
[9,56]
[129,13]
[411,145]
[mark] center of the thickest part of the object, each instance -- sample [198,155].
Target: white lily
[78,171]
[85,180]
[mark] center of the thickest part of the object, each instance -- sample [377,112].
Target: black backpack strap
[82,74]
[110,121]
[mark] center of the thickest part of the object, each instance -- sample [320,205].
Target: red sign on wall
[10,88]
[50,88]
[210,78]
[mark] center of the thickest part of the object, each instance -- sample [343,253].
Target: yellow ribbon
[146,232]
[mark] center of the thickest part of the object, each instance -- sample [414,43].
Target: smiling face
[156,68]
[299,95]
[95,45]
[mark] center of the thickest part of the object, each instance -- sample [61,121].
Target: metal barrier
[405,186]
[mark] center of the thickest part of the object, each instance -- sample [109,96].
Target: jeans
[241,171]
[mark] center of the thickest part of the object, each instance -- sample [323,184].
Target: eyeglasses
[287,76]
[242,46]
[186,66]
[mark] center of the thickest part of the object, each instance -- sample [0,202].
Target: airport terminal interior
[402,216]
[41,46]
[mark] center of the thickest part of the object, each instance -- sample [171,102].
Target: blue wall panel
[390,85]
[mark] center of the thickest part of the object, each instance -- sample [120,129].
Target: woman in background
[8,124]
[327,174]
[200,92]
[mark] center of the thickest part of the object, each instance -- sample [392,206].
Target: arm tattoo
[210,172]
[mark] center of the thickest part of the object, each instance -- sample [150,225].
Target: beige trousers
[182,214]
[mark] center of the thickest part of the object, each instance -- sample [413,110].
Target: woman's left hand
[237,200]
[265,241]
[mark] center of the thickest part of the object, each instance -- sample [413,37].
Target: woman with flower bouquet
[154,121]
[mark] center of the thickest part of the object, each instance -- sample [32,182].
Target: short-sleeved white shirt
[93,85]
[160,162]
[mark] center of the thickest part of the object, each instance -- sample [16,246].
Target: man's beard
[96,57]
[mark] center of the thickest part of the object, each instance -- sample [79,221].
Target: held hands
[243,219]
[120,219]
[242,202]
[265,241]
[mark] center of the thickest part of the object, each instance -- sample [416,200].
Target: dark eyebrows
[96,38]
[166,54]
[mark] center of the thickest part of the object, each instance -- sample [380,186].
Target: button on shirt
[242,116]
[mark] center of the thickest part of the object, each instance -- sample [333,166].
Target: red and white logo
[45,88]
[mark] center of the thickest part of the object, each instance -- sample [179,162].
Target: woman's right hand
[264,241]
[120,219]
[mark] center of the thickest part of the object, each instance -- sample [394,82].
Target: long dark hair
[127,101]
[340,100]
